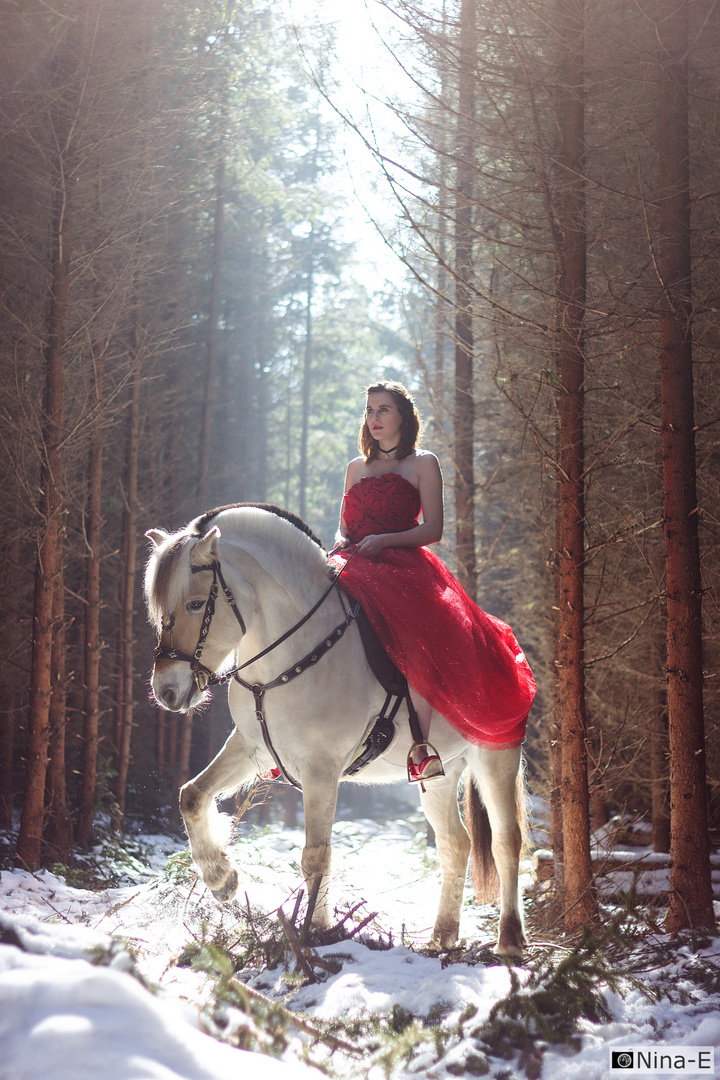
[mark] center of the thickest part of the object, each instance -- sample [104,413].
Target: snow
[93,983]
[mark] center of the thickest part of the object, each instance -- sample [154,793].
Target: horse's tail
[484,874]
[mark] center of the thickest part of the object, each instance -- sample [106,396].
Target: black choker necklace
[390,451]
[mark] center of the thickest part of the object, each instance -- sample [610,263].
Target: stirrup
[430,768]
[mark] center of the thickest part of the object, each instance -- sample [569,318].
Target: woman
[457,659]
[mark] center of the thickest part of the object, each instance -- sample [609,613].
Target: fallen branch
[300,1022]
[294,943]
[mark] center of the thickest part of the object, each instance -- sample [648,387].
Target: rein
[203,677]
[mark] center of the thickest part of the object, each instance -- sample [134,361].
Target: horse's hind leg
[497,774]
[226,772]
[440,806]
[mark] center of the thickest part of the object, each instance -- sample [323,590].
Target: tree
[463,447]
[570,709]
[691,901]
[212,334]
[48,599]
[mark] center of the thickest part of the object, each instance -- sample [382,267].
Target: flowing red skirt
[466,663]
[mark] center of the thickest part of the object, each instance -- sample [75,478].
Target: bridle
[203,676]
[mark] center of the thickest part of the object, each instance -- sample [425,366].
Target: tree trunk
[185,746]
[306,380]
[440,320]
[441,314]
[57,834]
[570,709]
[660,809]
[172,722]
[160,743]
[10,695]
[93,645]
[212,340]
[28,853]
[261,389]
[691,902]
[464,402]
[129,563]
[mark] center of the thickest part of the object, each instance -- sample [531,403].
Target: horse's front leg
[207,829]
[440,806]
[319,801]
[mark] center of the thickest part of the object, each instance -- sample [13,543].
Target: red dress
[466,663]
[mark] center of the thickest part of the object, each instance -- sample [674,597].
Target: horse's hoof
[513,953]
[444,938]
[227,891]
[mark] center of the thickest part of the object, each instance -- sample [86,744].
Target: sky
[363,76]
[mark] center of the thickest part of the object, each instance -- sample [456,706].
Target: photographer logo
[663,1060]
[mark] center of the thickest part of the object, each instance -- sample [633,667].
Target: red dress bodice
[462,660]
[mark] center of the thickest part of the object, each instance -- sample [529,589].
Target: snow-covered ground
[128,983]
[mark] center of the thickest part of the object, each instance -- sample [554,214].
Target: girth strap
[258,689]
[379,738]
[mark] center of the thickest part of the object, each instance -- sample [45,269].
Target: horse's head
[197,619]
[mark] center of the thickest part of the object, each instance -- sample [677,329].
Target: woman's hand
[371,546]
[341,542]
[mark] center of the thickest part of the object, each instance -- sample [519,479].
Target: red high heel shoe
[430,768]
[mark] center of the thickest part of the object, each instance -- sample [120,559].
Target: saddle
[395,686]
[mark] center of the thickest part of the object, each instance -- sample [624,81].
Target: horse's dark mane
[202,524]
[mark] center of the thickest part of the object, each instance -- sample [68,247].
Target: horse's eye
[195,605]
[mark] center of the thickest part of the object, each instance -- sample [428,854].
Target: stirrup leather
[430,768]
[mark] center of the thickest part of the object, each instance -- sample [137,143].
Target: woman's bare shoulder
[355,470]
[426,462]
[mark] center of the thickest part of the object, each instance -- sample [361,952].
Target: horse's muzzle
[177,694]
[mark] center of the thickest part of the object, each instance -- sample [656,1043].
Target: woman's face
[383,418]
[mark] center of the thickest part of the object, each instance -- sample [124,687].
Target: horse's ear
[157,536]
[207,548]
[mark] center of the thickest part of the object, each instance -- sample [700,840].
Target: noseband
[202,675]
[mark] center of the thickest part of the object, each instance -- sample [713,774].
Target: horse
[246,595]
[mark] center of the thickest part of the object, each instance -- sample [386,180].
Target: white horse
[220,592]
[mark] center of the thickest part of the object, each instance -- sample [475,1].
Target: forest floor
[123,967]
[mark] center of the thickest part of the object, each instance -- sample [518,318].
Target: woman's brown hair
[410,423]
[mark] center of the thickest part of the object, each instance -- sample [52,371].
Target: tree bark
[57,833]
[184,747]
[307,377]
[691,901]
[124,722]
[579,898]
[464,407]
[28,852]
[441,313]
[212,339]
[10,695]
[93,644]
[660,808]
[160,743]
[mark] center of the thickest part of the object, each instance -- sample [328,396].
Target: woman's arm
[430,487]
[341,537]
